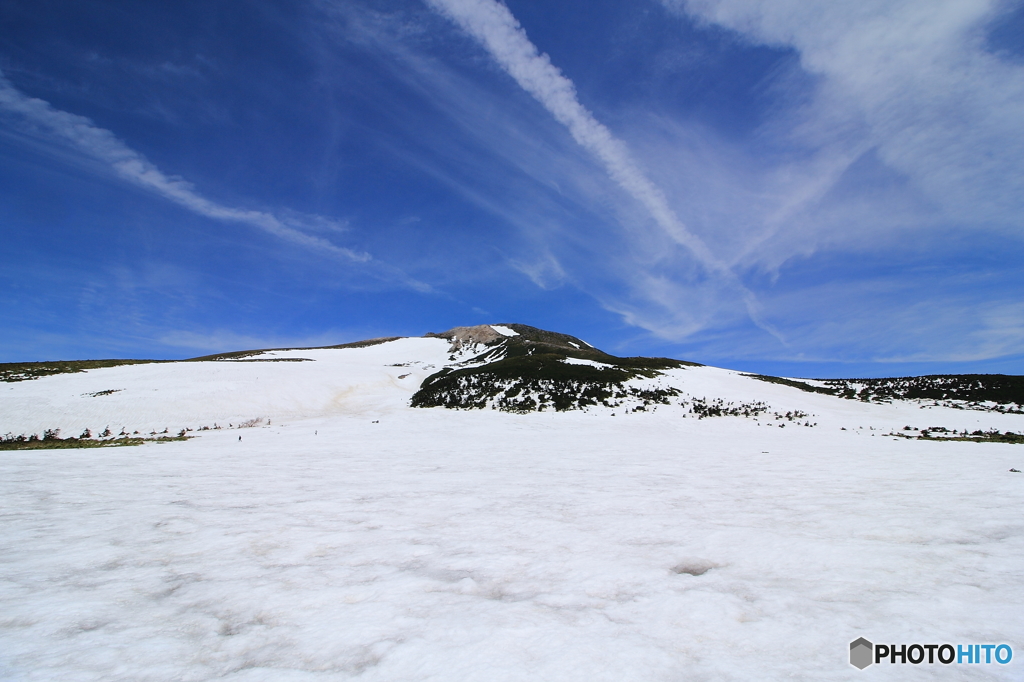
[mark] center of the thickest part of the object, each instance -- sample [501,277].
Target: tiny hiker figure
[239,439]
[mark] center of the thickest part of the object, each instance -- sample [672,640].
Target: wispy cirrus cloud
[814,181]
[910,80]
[493,26]
[660,286]
[907,138]
[40,118]
[839,159]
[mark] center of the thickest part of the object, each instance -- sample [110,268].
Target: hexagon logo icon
[861,653]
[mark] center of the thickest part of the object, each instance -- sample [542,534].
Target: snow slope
[355,381]
[357,538]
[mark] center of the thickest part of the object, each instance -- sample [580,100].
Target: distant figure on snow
[239,439]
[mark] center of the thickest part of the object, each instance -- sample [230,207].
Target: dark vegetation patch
[242,354]
[361,344]
[109,391]
[51,440]
[1001,389]
[563,344]
[24,371]
[528,333]
[272,360]
[970,391]
[234,355]
[528,382]
[794,383]
[935,433]
[704,408]
[529,373]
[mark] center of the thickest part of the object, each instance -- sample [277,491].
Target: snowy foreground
[355,537]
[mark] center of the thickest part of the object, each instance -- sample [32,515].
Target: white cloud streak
[910,79]
[98,143]
[493,26]
[818,177]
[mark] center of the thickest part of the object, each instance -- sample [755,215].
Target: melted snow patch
[505,331]
[694,567]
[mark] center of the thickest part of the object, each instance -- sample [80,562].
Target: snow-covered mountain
[509,367]
[579,517]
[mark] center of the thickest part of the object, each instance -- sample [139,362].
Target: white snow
[361,381]
[505,331]
[477,545]
[580,361]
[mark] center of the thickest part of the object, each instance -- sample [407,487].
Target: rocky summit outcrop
[518,334]
[464,336]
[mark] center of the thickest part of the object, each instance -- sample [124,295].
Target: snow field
[356,537]
[440,545]
[195,394]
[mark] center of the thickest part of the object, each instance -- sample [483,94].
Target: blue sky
[810,188]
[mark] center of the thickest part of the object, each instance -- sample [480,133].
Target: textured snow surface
[504,331]
[447,545]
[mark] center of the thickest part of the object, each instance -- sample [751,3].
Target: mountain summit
[494,333]
[519,368]
[506,367]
